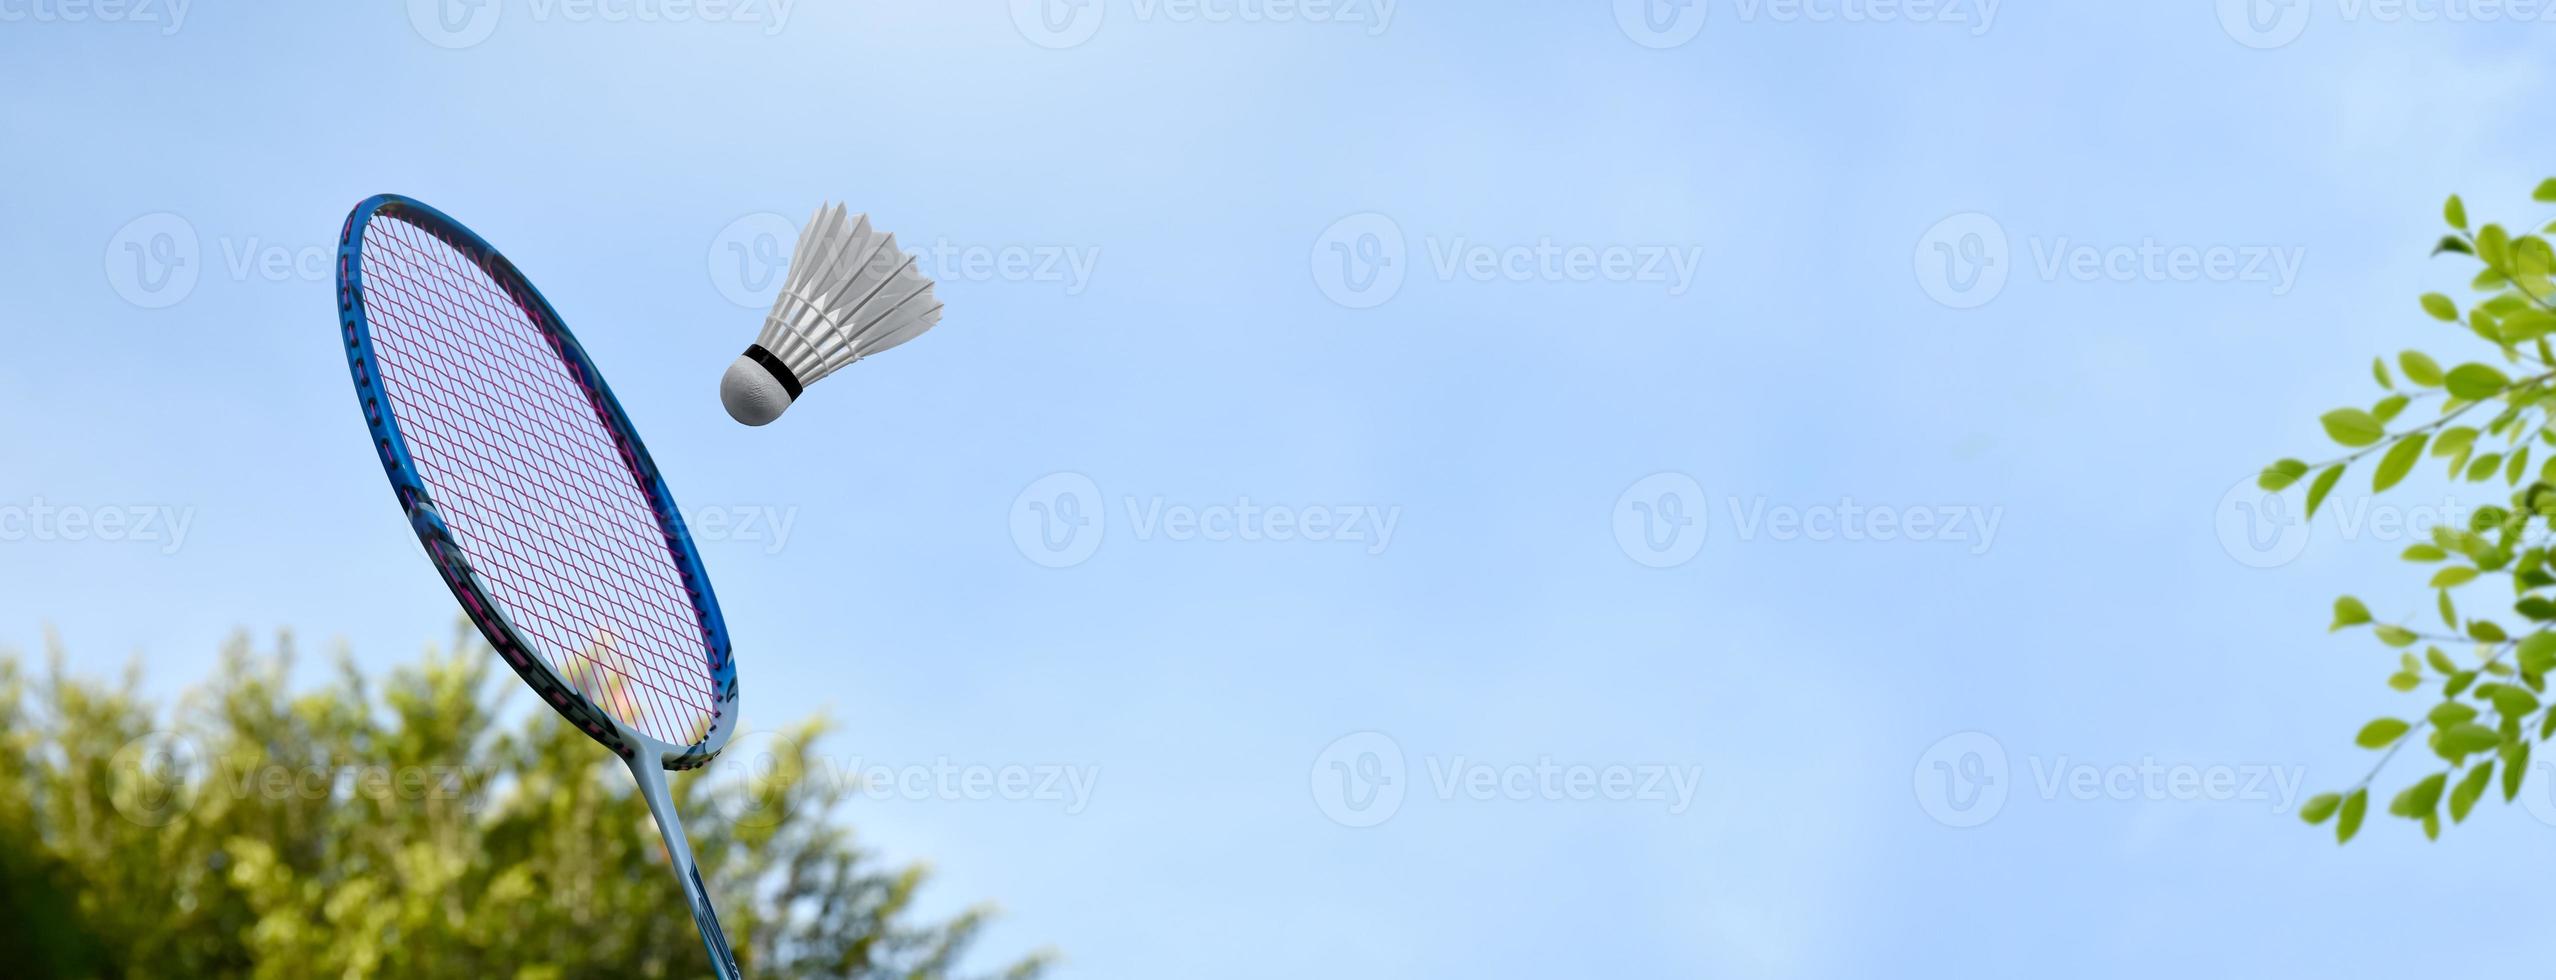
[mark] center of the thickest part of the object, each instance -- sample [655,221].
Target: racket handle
[652,787]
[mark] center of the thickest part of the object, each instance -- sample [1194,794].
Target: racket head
[529,488]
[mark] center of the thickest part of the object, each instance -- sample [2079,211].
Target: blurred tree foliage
[409,829]
[2492,576]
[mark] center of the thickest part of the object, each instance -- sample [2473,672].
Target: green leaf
[2395,636]
[2440,307]
[2538,653]
[2452,243]
[2354,427]
[2420,368]
[2453,441]
[2399,461]
[2449,611]
[2453,577]
[2323,485]
[2546,192]
[2378,369]
[2458,682]
[2420,799]
[2320,807]
[2470,382]
[2381,733]
[2349,611]
[2458,740]
[2423,552]
[2386,409]
[2514,702]
[2404,680]
[2513,468]
[2463,799]
[2515,765]
[2455,212]
[2441,662]
[2278,476]
[2483,466]
[2525,325]
[2348,824]
[2486,631]
[2536,607]
[2448,713]
[2494,245]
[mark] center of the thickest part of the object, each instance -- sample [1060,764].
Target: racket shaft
[652,786]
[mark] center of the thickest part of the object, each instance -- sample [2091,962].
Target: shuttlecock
[851,293]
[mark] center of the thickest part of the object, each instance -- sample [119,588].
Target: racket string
[537,491]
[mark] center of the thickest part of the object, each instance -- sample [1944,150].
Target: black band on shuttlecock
[780,372]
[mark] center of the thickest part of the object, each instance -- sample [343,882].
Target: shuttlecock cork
[851,293]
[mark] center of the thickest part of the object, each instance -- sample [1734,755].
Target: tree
[2488,668]
[410,831]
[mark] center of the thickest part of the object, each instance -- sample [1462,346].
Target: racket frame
[648,757]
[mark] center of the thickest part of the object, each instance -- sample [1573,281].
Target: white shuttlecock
[851,293]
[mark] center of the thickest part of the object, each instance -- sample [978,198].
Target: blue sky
[1629,327]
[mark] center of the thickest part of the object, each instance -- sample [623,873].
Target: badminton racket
[537,503]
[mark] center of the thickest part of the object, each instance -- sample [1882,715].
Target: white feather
[851,293]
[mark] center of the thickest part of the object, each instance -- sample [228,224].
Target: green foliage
[2486,414]
[412,829]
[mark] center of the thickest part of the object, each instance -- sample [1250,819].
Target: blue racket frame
[648,757]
